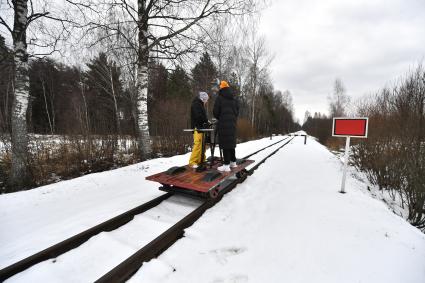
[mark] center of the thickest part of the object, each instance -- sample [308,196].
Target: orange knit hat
[223,84]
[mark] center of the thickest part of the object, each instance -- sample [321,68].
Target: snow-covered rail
[151,250]
[77,240]
[127,268]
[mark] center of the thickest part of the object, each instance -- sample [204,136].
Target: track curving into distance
[128,267]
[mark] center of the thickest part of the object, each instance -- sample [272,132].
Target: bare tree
[19,175]
[287,100]
[239,65]
[339,100]
[166,30]
[219,44]
[259,59]
[392,156]
[307,115]
[24,16]
[51,121]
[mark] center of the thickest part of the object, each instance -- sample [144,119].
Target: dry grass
[74,156]
[245,131]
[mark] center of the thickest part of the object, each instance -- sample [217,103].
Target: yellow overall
[195,157]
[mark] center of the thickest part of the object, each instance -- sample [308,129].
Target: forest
[88,110]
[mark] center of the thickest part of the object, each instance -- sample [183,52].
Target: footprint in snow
[222,255]
[232,279]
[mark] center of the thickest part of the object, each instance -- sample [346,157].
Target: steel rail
[257,164]
[77,240]
[254,153]
[128,267]
[112,224]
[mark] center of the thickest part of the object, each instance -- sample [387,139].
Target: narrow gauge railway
[130,265]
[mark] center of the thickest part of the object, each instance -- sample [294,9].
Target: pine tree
[203,73]
[44,85]
[158,76]
[178,85]
[235,84]
[6,91]
[157,93]
[104,94]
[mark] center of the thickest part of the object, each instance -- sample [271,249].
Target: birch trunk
[20,175]
[86,124]
[143,137]
[253,101]
[52,107]
[47,107]
[6,107]
[114,97]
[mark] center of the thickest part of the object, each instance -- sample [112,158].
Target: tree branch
[170,35]
[3,22]
[36,16]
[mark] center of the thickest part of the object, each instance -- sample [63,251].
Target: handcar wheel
[213,193]
[241,174]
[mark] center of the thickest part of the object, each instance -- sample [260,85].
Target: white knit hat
[203,96]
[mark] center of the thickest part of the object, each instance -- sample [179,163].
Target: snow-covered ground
[33,220]
[53,143]
[285,223]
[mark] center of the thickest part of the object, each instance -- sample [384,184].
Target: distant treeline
[67,100]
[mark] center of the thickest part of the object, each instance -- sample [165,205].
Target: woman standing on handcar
[226,111]
[199,120]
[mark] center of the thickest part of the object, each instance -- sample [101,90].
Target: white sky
[366,43]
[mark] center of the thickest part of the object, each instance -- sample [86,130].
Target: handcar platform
[209,183]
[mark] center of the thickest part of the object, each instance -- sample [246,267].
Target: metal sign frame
[347,143]
[349,118]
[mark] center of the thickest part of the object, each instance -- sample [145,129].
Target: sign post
[349,127]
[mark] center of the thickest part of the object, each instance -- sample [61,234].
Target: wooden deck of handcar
[187,177]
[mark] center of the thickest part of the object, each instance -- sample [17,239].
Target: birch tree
[24,14]
[166,30]
[339,100]
[219,45]
[259,59]
[19,175]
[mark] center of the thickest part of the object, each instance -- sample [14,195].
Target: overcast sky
[366,43]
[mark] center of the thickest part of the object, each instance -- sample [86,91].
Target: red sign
[350,127]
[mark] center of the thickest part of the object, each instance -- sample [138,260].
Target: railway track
[129,266]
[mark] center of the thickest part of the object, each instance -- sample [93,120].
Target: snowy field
[55,142]
[285,223]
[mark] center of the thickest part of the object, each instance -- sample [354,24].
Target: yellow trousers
[195,157]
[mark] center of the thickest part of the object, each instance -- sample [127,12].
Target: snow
[36,219]
[55,142]
[106,250]
[285,223]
